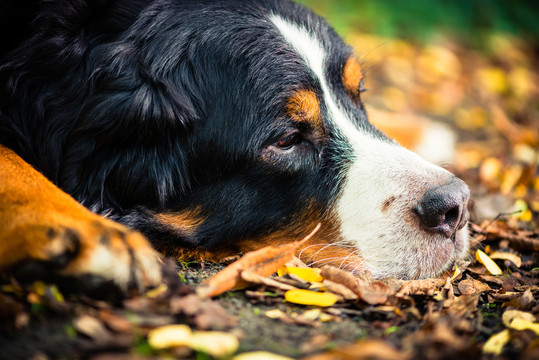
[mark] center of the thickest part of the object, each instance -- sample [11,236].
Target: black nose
[444,208]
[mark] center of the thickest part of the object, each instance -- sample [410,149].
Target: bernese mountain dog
[202,129]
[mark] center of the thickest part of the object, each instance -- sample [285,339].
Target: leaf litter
[486,309]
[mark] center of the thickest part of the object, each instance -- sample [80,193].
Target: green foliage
[421,20]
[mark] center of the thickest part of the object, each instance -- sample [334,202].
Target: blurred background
[456,81]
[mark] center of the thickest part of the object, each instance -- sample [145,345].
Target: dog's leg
[45,230]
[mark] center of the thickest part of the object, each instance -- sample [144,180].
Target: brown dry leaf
[524,301]
[491,279]
[206,314]
[363,350]
[371,292]
[340,289]
[420,287]
[294,320]
[463,306]
[115,322]
[472,286]
[254,278]
[91,327]
[342,277]
[376,293]
[264,262]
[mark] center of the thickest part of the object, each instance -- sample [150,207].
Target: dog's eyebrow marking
[304,107]
[351,77]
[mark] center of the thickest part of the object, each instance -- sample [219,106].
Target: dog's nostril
[443,209]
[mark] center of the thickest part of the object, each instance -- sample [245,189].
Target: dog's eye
[289,141]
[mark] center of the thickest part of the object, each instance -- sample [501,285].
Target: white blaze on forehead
[380,170]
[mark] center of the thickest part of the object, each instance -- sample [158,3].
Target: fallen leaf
[264,262]
[520,320]
[490,265]
[342,277]
[363,350]
[496,342]
[254,278]
[91,327]
[307,297]
[168,336]
[419,287]
[456,273]
[463,306]
[340,289]
[491,279]
[115,322]
[214,343]
[376,293]
[307,274]
[260,355]
[472,286]
[507,256]
[274,313]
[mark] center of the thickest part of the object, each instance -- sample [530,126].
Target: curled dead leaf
[490,265]
[507,256]
[263,262]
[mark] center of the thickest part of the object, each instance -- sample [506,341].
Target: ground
[488,101]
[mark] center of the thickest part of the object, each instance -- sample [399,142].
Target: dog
[202,129]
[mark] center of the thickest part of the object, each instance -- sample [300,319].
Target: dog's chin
[438,254]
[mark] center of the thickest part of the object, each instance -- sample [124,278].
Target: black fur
[140,107]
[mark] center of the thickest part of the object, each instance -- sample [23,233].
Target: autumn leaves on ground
[268,301]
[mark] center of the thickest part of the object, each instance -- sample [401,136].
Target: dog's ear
[127,146]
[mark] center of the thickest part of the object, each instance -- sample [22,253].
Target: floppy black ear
[127,147]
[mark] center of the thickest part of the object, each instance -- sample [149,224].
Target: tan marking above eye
[303,106]
[351,77]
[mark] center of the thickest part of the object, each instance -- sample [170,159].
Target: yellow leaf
[520,320]
[274,314]
[260,355]
[521,324]
[306,297]
[488,262]
[507,256]
[495,344]
[170,336]
[312,314]
[456,273]
[307,274]
[153,293]
[492,79]
[215,343]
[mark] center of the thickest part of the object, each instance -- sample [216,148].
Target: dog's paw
[91,251]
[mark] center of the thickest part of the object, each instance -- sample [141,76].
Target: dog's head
[241,124]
